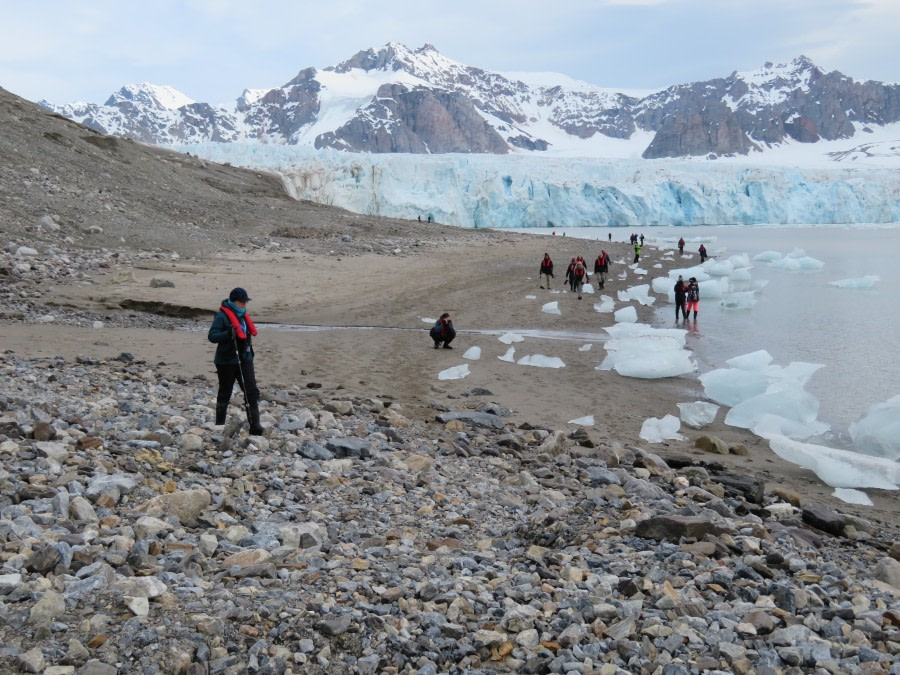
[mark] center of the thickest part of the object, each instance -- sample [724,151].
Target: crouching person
[443,331]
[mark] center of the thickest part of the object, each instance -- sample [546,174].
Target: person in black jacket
[570,275]
[601,267]
[693,298]
[443,331]
[232,331]
[680,298]
[546,270]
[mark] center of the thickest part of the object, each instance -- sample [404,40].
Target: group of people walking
[576,273]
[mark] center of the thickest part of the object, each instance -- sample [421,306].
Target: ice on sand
[867,281]
[585,348]
[587,289]
[851,496]
[656,430]
[587,421]
[839,468]
[425,319]
[472,353]
[509,337]
[454,373]
[509,356]
[551,308]
[606,304]
[541,361]
[767,425]
[639,293]
[626,315]
[877,432]
[697,414]
[531,297]
[787,399]
[638,350]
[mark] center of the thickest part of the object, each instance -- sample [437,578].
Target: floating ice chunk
[767,256]
[867,281]
[698,272]
[807,263]
[839,468]
[509,337]
[606,304]
[541,361]
[785,399]
[662,285]
[587,421]
[768,424]
[626,315]
[472,353]
[454,373]
[730,386]
[697,414]
[639,293]
[713,288]
[759,284]
[757,360]
[718,268]
[851,496]
[797,261]
[656,430]
[797,371]
[585,348]
[509,355]
[551,308]
[742,274]
[741,300]
[643,330]
[877,432]
[740,261]
[638,350]
[787,264]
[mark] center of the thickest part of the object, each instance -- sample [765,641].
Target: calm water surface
[855,333]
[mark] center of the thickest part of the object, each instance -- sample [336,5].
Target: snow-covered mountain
[396,99]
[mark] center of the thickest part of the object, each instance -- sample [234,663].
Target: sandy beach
[373,338]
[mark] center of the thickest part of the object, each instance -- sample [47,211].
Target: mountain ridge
[397,99]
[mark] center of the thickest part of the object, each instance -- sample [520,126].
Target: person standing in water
[693,298]
[680,298]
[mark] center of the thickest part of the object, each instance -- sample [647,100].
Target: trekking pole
[241,375]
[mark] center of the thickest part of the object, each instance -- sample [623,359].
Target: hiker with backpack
[546,271]
[693,298]
[580,275]
[570,275]
[601,268]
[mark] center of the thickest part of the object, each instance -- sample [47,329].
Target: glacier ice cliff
[527,191]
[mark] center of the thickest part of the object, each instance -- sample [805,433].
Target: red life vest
[235,322]
[601,259]
[579,272]
[546,263]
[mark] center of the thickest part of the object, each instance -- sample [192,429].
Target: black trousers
[229,374]
[442,336]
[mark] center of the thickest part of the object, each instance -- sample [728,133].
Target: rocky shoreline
[352,538]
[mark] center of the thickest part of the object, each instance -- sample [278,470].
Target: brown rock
[712,444]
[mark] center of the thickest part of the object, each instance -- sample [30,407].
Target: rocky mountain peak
[159,97]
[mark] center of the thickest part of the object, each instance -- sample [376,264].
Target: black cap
[238,295]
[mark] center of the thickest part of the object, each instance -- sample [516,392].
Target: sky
[211,50]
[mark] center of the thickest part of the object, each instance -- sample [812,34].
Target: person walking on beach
[601,267]
[693,298]
[703,255]
[681,246]
[610,236]
[642,240]
[637,252]
[680,298]
[570,275]
[443,331]
[233,331]
[546,272]
[581,277]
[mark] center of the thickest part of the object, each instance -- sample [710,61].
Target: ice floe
[657,430]
[509,355]
[472,353]
[509,337]
[541,361]
[877,432]
[454,373]
[697,414]
[867,281]
[587,421]
[551,308]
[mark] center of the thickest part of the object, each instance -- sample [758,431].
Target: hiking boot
[448,347]
[221,412]
[437,344]
[255,427]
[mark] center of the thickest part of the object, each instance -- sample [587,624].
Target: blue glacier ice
[527,191]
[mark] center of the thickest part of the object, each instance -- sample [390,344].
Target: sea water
[798,316]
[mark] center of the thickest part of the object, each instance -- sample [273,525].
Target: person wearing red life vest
[546,270]
[581,277]
[601,267]
[232,331]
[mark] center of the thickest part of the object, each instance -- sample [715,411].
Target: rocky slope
[396,99]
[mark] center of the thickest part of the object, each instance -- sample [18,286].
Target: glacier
[489,191]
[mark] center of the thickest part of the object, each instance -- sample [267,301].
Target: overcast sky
[211,50]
